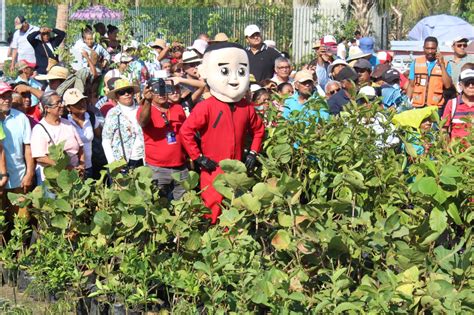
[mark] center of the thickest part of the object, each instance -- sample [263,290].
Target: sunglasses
[125,91]
[334,91]
[463,45]
[468,83]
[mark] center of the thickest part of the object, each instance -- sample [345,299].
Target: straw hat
[219,38]
[158,43]
[191,56]
[121,84]
[356,53]
[55,73]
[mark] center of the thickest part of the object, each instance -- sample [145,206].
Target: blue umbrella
[443,27]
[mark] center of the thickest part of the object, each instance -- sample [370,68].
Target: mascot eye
[242,72]
[225,71]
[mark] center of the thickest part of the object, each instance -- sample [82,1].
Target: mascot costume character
[223,121]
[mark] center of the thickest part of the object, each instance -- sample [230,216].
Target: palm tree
[360,10]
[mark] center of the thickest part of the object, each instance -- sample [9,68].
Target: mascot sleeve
[196,122]
[258,130]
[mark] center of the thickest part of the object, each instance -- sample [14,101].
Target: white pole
[3,20]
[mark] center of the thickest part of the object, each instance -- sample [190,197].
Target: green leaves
[438,220]
[281,240]
[427,186]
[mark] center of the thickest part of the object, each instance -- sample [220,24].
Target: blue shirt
[18,133]
[292,104]
[431,65]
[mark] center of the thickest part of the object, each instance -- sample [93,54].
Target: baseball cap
[466,75]
[366,44]
[367,91]
[347,74]
[251,29]
[328,40]
[72,96]
[379,70]
[391,76]
[363,64]
[303,76]
[5,87]
[460,39]
[19,20]
[384,57]
[190,56]
[255,87]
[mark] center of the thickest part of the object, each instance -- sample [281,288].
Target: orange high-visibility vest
[428,90]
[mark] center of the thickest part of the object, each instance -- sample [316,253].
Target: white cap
[255,87]
[72,96]
[251,29]
[133,44]
[466,75]
[328,40]
[460,39]
[367,91]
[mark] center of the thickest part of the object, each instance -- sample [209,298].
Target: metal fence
[294,30]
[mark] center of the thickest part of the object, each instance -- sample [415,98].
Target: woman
[81,120]
[45,46]
[53,129]
[122,136]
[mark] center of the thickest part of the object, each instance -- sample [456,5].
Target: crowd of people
[111,103]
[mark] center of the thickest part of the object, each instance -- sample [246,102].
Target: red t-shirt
[158,150]
[459,128]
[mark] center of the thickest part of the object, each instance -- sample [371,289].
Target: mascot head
[225,67]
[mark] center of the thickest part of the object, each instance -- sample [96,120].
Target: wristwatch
[4,175]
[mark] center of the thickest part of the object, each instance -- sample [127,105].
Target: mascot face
[226,71]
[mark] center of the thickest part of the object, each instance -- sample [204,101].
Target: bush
[334,221]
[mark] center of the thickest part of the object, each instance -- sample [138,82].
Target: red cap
[384,57]
[5,87]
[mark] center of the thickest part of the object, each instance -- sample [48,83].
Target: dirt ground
[25,304]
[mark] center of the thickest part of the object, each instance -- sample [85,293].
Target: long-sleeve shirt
[43,51]
[222,129]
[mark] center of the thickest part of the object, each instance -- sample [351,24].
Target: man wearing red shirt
[459,111]
[160,123]
[223,120]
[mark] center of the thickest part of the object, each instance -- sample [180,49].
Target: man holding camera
[160,122]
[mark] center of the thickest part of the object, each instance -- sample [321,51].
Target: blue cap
[366,44]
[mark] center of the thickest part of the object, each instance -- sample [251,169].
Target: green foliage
[335,221]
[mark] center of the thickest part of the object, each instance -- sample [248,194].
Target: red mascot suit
[224,120]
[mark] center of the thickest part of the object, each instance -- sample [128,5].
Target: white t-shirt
[20,42]
[86,133]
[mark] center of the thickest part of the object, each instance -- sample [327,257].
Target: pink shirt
[65,131]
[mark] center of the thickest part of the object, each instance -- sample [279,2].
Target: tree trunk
[62,16]
[361,13]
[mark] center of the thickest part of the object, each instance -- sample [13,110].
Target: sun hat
[356,53]
[251,29]
[23,64]
[190,56]
[159,42]
[5,87]
[303,76]
[72,96]
[121,84]
[199,46]
[336,63]
[55,73]
[219,37]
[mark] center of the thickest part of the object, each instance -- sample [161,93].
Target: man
[20,47]
[261,57]
[461,108]
[364,71]
[460,58]
[160,51]
[429,76]
[282,71]
[366,44]
[332,87]
[224,120]
[160,122]
[17,151]
[304,92]
[25,75]
[348,78]
[192,83]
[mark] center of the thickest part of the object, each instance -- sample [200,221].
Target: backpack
[98,155]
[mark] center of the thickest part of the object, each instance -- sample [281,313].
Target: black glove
[206,163]
[250,161]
